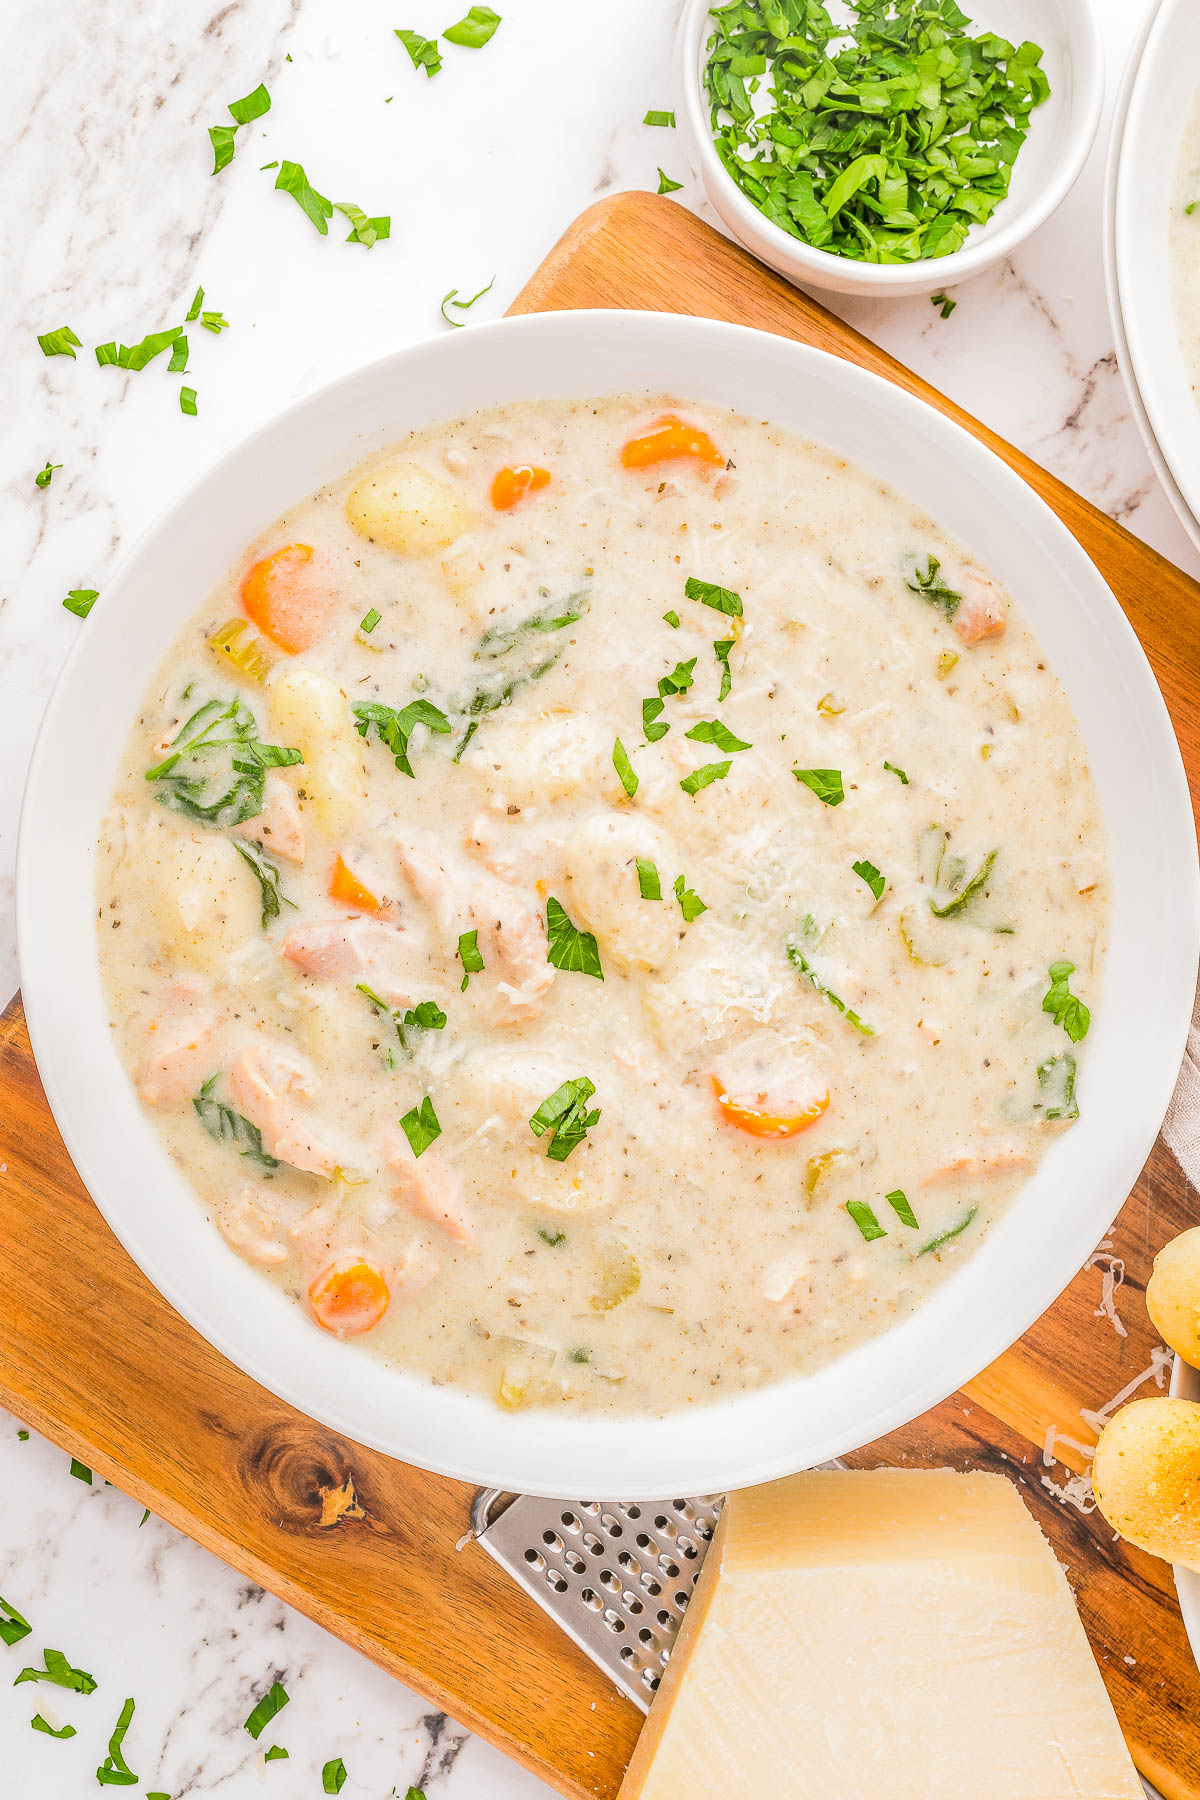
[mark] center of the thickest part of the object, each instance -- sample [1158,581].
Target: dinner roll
[1173,1295]
[1146,1477]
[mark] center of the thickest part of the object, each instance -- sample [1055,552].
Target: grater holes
[557,1581]
[552,1541]
[628,1654]
[664,1617]
[650,1679]
[575,1562]
[681,1600]
[634,1604]
[629,1562]
[652,1587]
[609,1580]
[571,1522]
[591,1508]
[535,1559]
[592,1544]
[643,1542]
[613,1621]
[666,1526]
[669,1568]
[684,1508]
[633,1512]
[646,1636]
[614,1527]
[686,1548]
[592,1600]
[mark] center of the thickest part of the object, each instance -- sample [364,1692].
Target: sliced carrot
[288,595]
[761,1124]
[345,887]
[670,440]
[349,1297]
[513,483]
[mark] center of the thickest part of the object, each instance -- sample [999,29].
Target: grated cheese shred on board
[1112,1275]
[1076,1491]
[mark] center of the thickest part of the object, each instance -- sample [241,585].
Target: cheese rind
[902,1634]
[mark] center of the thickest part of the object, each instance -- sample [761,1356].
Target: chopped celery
[619,1276]
[237,643]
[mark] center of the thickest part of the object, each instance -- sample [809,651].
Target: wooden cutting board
[94,1358]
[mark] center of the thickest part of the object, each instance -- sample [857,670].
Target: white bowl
[1165,91]
[1061,133]
[1133,1051]
[1137,405]
[1185,1382]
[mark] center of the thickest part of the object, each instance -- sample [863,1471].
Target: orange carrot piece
[348,890]
[760,1124]
[511,485]
[349,1297]
[670,440]
[288,596]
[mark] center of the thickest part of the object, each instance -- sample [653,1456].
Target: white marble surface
[111,220]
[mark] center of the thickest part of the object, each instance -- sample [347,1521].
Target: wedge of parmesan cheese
[897,1634]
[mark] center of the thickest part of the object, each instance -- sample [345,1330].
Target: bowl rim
[53,1013]
[826,270]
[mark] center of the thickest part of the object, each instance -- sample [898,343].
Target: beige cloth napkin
[1181,1127]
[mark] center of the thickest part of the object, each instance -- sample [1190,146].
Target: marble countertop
[111,221]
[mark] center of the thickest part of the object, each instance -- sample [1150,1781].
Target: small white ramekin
[1062,131]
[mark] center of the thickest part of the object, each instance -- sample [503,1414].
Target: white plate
[1051,1226]
[1185,1383]
[1162,96]
[1137,405]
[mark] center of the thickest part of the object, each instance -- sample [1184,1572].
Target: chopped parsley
[37,1723]
[569,948]
[712,731]
[704,776]
[451,299]
[62,342]
[555,1238]
[276,1753]
[624,768]
[721,649]
[179,357]
[216,771]
[722,599]
[13,1627]
[901,777]
[681,678]
[898,1201]
[475,30]
[826,784]
[690,903]
[649,884]
[362,229]
[427,1015]
[799,961]
[292,180]
[370,621]
[669,618]
[394,729]
[576,1356]
[333,1776]
[264,1710]
[59,1673]
[883,139]
[652,726]
[45,476]
[422,50]
[193,311]
[659,118]
[187,401]
[946,1237]
[80,1471]
[931,587]
[266,873]
[115,1771]
[1056,1079]
[135,357]
[420,1126]
[216,322]
[865,1219]
[226,1126]
[867,872]
[943,303]
[666,185]
[469,957]
[80,601]
[1066,1008]
[565,1115]
[243,112]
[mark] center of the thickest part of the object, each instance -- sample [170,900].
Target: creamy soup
[601,904]
[1183,228]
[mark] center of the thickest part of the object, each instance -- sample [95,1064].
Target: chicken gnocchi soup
[602,904]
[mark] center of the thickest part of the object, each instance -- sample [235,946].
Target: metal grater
[615,1576]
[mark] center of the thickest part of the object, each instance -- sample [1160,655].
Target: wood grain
[94,1358]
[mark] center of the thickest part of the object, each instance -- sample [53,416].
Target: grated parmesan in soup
[609,897]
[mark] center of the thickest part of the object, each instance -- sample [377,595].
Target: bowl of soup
[585,897]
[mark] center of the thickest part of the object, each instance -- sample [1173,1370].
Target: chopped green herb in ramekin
[883,139]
